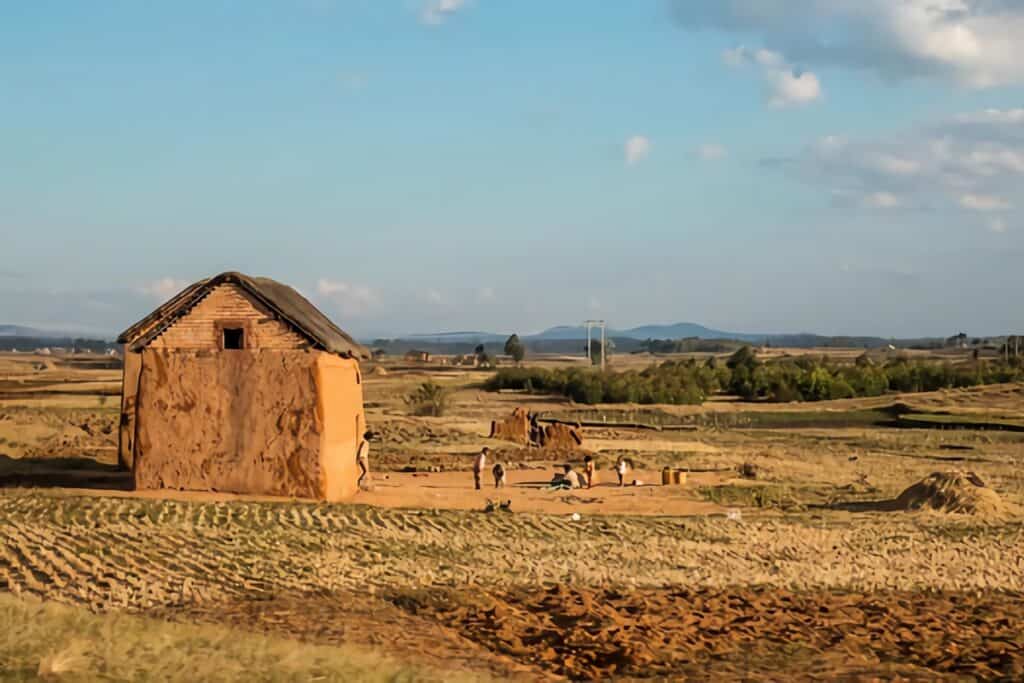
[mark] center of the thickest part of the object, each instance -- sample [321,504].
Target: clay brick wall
[235,421]
[199,328]
[282,423]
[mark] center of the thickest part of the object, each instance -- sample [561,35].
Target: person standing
[588,470]
[620,470]
[478,465]
[363,458]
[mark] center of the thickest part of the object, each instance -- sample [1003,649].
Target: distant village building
[240,384]
[468,361]
[415,356]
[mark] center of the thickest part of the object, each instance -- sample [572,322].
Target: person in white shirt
[478,465]
[572,477]
[620,470]
[363,458]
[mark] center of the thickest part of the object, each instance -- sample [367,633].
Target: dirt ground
[782,557]
[528,491]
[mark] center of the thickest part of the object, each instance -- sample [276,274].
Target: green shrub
[428,399]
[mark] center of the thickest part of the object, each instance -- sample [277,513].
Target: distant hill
[20,331]
[562,336]
[674,331]
[22,338]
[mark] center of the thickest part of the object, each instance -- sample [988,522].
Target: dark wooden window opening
[234,338]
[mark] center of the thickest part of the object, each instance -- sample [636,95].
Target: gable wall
[198,329]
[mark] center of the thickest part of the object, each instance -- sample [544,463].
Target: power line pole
[603,347]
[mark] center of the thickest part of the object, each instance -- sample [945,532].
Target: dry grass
[55,642]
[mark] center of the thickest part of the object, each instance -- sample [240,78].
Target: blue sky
[753,165]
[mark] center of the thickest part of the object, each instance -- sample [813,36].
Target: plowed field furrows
[137,554]
[740,634]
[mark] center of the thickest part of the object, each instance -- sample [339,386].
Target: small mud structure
[514,428]
[524,428]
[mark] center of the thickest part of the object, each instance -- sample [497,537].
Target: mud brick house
[240,384]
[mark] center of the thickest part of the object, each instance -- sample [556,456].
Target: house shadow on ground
[65,472]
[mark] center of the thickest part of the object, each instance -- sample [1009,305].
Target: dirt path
[528,493]
[527,489]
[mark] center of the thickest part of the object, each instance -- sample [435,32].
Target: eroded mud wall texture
[129,389]
[514,428]
[339,388]
[235,421]
[561,436]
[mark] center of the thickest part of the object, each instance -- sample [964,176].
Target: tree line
[751,379]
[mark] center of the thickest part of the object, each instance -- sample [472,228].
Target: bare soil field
[791,551]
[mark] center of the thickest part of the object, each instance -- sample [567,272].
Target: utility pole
[603,347]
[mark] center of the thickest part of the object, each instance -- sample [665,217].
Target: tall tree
[515,348]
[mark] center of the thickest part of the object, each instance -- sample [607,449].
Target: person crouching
[499,475]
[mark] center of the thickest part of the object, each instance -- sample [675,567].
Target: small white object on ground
[576,517]
[734,514]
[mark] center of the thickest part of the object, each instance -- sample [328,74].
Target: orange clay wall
[244,422]
[340,393]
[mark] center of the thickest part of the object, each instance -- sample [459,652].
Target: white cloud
[998,225]
[436,12]
[712,152]
[637,148]
[975,43]
[791,88]
[787,85]
[970,162]
[980,202]
[164,288]
[351,299]
[882,200]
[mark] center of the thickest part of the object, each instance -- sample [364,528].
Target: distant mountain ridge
[674,331]
[570,332]
[7,330]
[21,331]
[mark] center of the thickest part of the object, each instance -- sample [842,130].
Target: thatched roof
[282,300]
